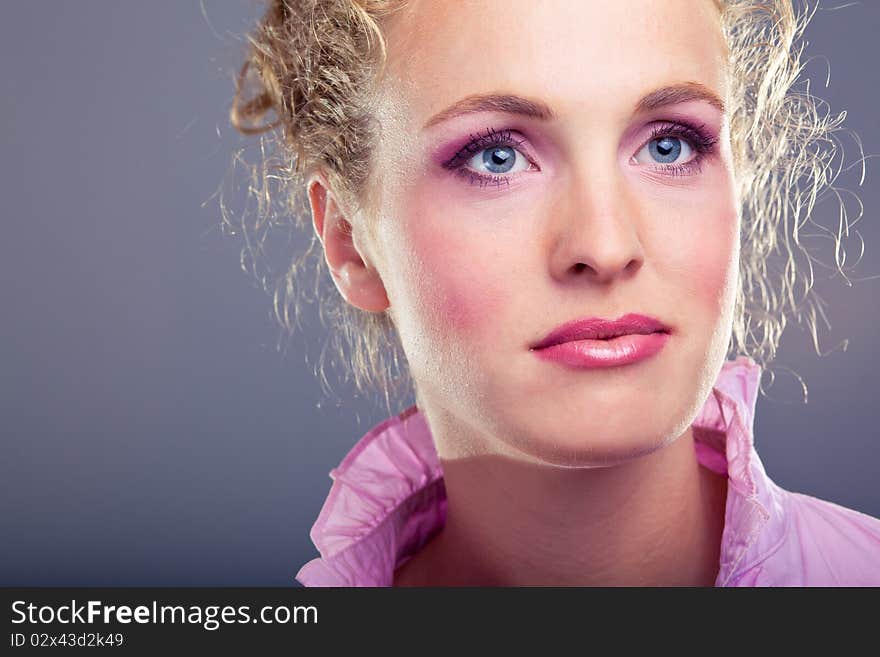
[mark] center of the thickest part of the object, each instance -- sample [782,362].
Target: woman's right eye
[493,158]
[498,160]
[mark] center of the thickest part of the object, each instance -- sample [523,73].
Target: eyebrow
[536,109]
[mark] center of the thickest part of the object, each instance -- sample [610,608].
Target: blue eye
[676,149]
[498,160]
[490,159]
[665,150]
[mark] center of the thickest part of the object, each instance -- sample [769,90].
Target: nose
[594,230]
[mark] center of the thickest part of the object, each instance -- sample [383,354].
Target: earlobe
[357,281]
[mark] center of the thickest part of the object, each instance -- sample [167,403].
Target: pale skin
[554,475]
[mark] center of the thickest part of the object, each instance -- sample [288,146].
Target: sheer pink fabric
[387,500]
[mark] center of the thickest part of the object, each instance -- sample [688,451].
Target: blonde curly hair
[312,66]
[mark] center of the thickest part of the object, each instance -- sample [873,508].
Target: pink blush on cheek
[456,290]
[713,262]
[459,272]
[463,302]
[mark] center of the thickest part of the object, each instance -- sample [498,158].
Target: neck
[655,520]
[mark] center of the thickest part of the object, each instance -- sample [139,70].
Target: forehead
[590,56]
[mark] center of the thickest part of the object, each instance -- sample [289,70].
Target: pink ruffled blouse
[388,499]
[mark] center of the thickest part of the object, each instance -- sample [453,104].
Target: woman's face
[497,226]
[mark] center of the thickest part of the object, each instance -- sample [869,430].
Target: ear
[356,279]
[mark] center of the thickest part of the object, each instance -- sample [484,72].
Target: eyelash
[696,136]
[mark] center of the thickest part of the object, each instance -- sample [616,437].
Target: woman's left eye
[668,149]
[677,149]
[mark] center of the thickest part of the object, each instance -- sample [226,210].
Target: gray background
[151,433]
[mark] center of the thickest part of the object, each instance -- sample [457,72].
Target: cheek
[461,295]
[460,287]
[711,253]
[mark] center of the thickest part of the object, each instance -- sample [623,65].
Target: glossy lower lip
[622,350]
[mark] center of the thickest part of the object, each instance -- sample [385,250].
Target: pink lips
[594,342]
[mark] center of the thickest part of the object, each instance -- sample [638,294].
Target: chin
[589,448]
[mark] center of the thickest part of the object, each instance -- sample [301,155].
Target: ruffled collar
[387,497]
